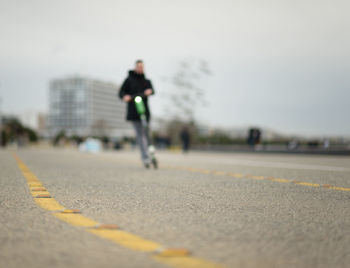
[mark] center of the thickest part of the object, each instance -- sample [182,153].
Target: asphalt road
[236,210]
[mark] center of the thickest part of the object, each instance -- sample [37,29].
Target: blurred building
[86,107]
[42,125]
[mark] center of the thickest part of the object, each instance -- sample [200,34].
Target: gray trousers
[142,139]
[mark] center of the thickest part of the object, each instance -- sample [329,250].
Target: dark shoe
[147,163]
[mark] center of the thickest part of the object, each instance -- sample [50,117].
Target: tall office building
[86,107]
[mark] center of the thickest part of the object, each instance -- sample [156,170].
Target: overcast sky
[278,64]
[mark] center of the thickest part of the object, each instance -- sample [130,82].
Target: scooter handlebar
[133,96]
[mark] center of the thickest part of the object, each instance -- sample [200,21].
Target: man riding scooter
[137,88]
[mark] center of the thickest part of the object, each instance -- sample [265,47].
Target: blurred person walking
[136,84]
[185,139]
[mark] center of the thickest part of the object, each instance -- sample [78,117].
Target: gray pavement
[231,221]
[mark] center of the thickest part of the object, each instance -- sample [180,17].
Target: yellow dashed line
[340,188]
[237,175]
[307,184]
[173,257]
[184,262]
[278,180]
[76,219]
[254,177]
[257,177]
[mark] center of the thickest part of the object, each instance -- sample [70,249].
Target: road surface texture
[227,210]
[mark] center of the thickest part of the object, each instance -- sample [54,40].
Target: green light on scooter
[140,106]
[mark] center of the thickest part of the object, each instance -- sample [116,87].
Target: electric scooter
[141,110]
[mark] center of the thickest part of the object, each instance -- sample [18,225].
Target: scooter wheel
[155,163]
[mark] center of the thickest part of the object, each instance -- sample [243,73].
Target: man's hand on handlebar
[127,98]
[148,92]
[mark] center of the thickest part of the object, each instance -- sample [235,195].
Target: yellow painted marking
[237,175]
[278,180]
[186,262]
[34,184]
[48,204]
[76,219]
[257,177]
[106,226]
[122,238]
[37,189]
[340,188]
[307,184]
[70,211]
[35,193]
[45,195]
[249,176]
[173,252]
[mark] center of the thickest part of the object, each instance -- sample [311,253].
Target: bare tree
[186,94]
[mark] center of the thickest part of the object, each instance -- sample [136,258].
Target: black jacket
[135,84]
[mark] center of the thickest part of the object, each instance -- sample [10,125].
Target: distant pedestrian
[253,138]
[185,139]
